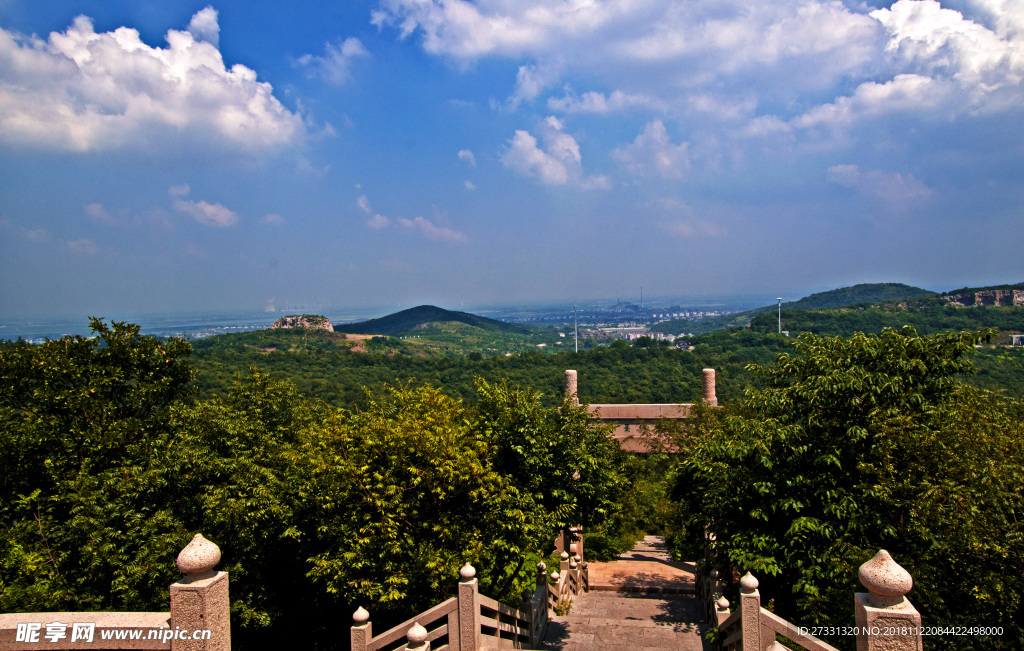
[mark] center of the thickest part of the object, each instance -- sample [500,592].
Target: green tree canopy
[861,443]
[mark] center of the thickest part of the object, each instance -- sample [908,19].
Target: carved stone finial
[555,575]
[467,572]
[572,563]
[748,583]
[541,567]
[417,634]
[199,556]
[723,604]
[565,556]
[885,580]
[714,573]
[360,617]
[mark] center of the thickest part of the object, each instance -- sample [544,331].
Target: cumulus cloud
[273,219]
[204,212]
[205,27]
[467,156]
[556,162]
[430,230]
[335,66]
[653,152]
[469,185]
[890,187]
[80,90]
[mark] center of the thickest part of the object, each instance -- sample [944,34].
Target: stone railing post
[417,638]
[885,608]
[721,611]
[750,613]
[469,610]
[563,567]
[570,387]
[200,601]
[710,398]
[362,630]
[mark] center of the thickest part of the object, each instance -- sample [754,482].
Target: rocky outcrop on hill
[1013,297]
[311,321]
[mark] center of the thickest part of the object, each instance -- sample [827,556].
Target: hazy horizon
[170,157]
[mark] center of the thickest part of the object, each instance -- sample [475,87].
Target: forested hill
[863,293]
[836,298]
[407,321]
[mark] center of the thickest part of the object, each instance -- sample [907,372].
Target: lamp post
[779,299]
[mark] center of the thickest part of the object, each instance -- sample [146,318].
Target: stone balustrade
[198,619]
[885,619]
[471,621]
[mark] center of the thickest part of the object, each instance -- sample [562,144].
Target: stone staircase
[643,601]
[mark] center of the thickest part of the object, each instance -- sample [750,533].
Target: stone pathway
[643,601]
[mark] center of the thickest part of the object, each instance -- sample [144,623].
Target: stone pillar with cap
[362,630]
[469,609]
[883,611]
[417,637]
[710,398]
[200,601]
[571,384]
[722,611]
[750,613]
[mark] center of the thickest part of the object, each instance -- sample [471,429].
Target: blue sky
[168,156]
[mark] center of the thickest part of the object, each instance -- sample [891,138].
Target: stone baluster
[884,608]
[571,387]
[417,638]
[750,613]
[469,609]
[721,611]
[542,574]
[710,398]
[362,630]
[200,601]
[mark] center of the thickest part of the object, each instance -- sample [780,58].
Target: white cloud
[467,155]
[335,66]
[204,26]
[469,185]
[273,219]
[431,231]
[531,81]
[941,42]
[890,187]
[594,102]
[653,151]
[558,162]
[99,214]
[376,221]
[80,90]
[204,212]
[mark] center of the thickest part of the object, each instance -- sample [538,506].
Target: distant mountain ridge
[407,321]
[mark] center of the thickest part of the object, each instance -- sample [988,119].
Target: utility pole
[576,329]
[779,299]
